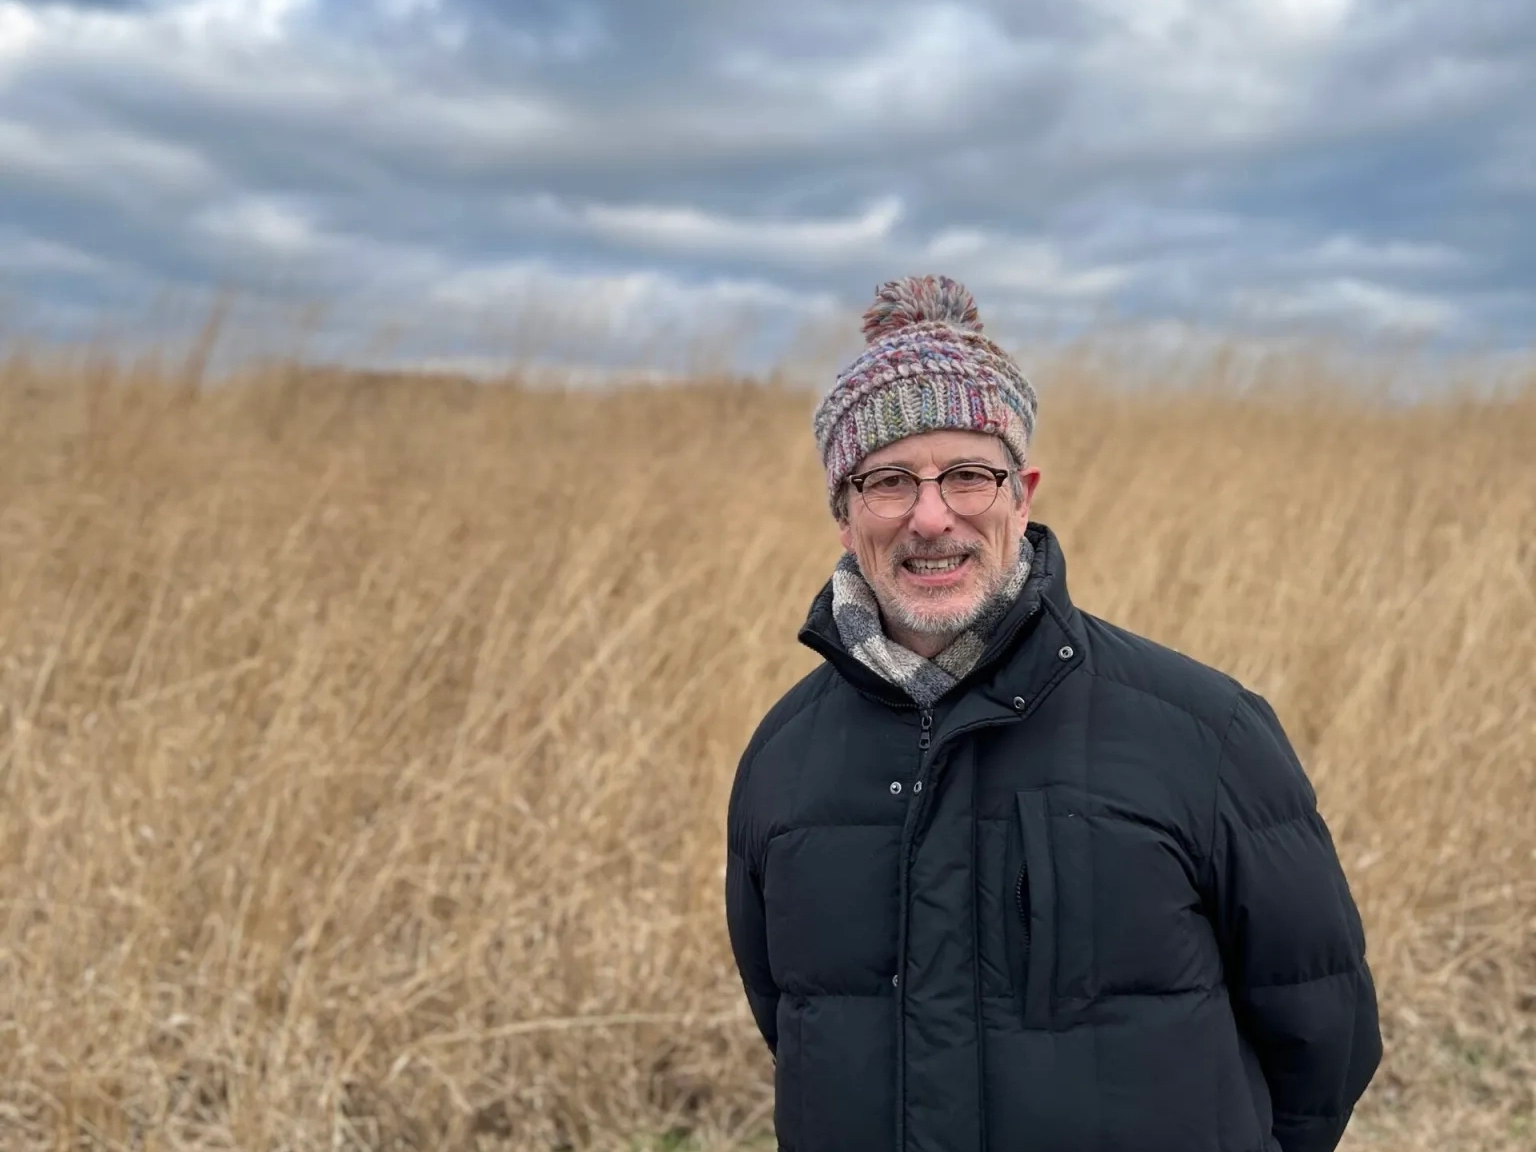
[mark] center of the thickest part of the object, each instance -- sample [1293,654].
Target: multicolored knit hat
[926,367]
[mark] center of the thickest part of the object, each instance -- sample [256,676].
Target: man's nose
[930,515]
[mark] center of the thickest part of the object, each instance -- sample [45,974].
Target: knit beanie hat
[926,366]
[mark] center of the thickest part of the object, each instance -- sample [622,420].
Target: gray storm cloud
[582,175]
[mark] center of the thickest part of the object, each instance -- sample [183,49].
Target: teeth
[945,565]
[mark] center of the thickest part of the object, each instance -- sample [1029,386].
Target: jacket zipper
[924,742]
[1021,902]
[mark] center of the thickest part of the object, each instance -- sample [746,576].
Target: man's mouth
[924,567]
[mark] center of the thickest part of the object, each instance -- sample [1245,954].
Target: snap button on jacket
[1106,916]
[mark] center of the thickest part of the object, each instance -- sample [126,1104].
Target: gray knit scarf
[857,616]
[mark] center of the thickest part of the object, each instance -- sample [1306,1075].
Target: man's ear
[845,534]
[1029,478]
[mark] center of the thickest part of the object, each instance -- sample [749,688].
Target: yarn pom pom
[919,299]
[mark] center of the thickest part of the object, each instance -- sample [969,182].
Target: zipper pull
[926,736]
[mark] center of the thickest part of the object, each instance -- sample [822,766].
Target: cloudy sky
[600,179]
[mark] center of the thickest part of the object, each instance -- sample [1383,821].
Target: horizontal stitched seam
[1299,818]
[896,824]
[1352,970]
[1334,1116]
[1166,994]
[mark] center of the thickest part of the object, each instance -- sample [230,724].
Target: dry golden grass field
[364,742]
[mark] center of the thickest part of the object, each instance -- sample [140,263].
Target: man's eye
[888,482]
[971,478]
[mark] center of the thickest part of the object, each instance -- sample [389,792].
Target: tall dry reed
[364,743]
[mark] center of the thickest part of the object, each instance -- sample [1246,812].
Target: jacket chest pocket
[1050,929]
[1104,903]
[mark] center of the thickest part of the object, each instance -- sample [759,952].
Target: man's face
[924,610]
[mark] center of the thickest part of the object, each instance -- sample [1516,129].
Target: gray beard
[862,627]
[946,627]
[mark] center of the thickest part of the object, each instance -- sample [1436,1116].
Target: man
[1003,876]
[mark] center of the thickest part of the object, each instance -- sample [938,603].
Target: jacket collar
[1016,652]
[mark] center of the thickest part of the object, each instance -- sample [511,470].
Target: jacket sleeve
[744,914]
[1291,936]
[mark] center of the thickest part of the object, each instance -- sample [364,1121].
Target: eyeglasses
[967,489]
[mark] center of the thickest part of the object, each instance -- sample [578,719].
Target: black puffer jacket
[1085,903]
